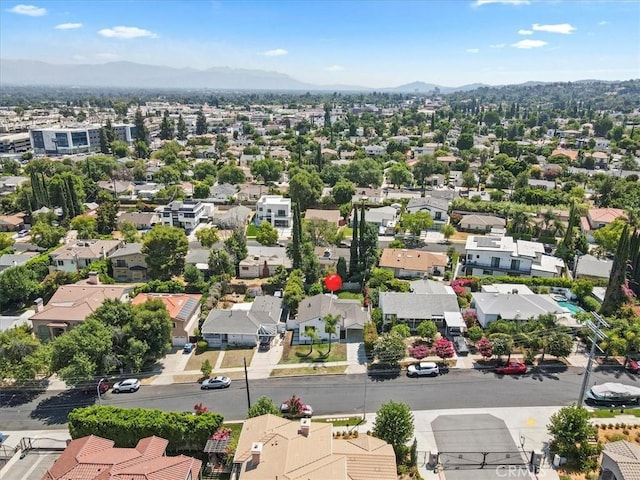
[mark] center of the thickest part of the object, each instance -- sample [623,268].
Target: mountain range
[136,75]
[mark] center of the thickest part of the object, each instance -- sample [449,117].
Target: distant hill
[136,75]
[422,87]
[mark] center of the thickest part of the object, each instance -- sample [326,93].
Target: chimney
[93,278]
[38,305]
[305,426]
[256,452]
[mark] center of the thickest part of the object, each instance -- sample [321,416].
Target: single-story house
[72,304]
[480,223]
[250,192]
[274,447]
[541,184]
[119,187]
[601,217]
[490,307]
[129,264]
[142,220]
[184,310]
[620,461]
[96,458]
[368,195]
[413,308]
[312,310]
[412,263]
[235,217]
[382,216]
[328,256]
[244,324]
[9,260]
[11,223]
[224,192]
[331,216]
[590,267]
[437,207]
[259,266]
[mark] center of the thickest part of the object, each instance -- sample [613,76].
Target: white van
[423,369]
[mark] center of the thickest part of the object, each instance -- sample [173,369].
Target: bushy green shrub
[126,426]
[203,346]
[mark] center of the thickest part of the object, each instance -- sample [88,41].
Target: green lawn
[235,358]
[607,413]
[342,421]
[252,230]
[300,353]
[317,369]
[196,359]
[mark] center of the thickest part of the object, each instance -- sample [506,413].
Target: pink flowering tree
[484,347]
[419,351]
[444,348]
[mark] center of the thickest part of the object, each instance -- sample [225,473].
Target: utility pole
[246,381]
[597,334]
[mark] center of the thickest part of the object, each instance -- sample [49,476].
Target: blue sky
[367,43]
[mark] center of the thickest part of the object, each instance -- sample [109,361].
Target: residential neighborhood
[310,257]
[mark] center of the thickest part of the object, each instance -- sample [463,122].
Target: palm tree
[310,331]
[330,322]
[547,219]
[558,228]
[520,222]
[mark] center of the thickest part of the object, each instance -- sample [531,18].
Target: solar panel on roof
[188,307]
[487,242]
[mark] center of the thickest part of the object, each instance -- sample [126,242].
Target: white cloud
[473,50]
[335,68]
[126,32]
[108,56]
[603,22]
[563,28]
[68,26]
[277,52]
[522,31]
[479,3]
[529,44]
[29,10]
[498,45]
[79,58]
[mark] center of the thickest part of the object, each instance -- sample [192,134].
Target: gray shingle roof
[417,305]
[245,322]
[320,305]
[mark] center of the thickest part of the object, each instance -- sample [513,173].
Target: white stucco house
[498,256]
[274,209]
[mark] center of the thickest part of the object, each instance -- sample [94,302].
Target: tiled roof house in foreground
[95,458]
[274,447]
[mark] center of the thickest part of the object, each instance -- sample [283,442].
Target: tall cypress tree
[319,158]
[166,127]
[634,262]
[182,128]
[362,256]
[353,251]
[201,123]
[295,247]
[142,134]
[615,295]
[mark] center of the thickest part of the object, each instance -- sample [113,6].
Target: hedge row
[125,426]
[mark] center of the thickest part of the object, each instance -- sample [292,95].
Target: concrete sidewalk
[263,363]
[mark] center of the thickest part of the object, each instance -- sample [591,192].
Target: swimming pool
[572,307]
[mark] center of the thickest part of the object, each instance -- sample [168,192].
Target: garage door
[179,341]
[354,336]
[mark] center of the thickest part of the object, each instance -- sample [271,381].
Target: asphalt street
[328,394]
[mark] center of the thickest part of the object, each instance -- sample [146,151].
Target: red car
[511,368]
[633,366]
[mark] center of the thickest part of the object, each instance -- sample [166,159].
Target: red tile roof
[95,458]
